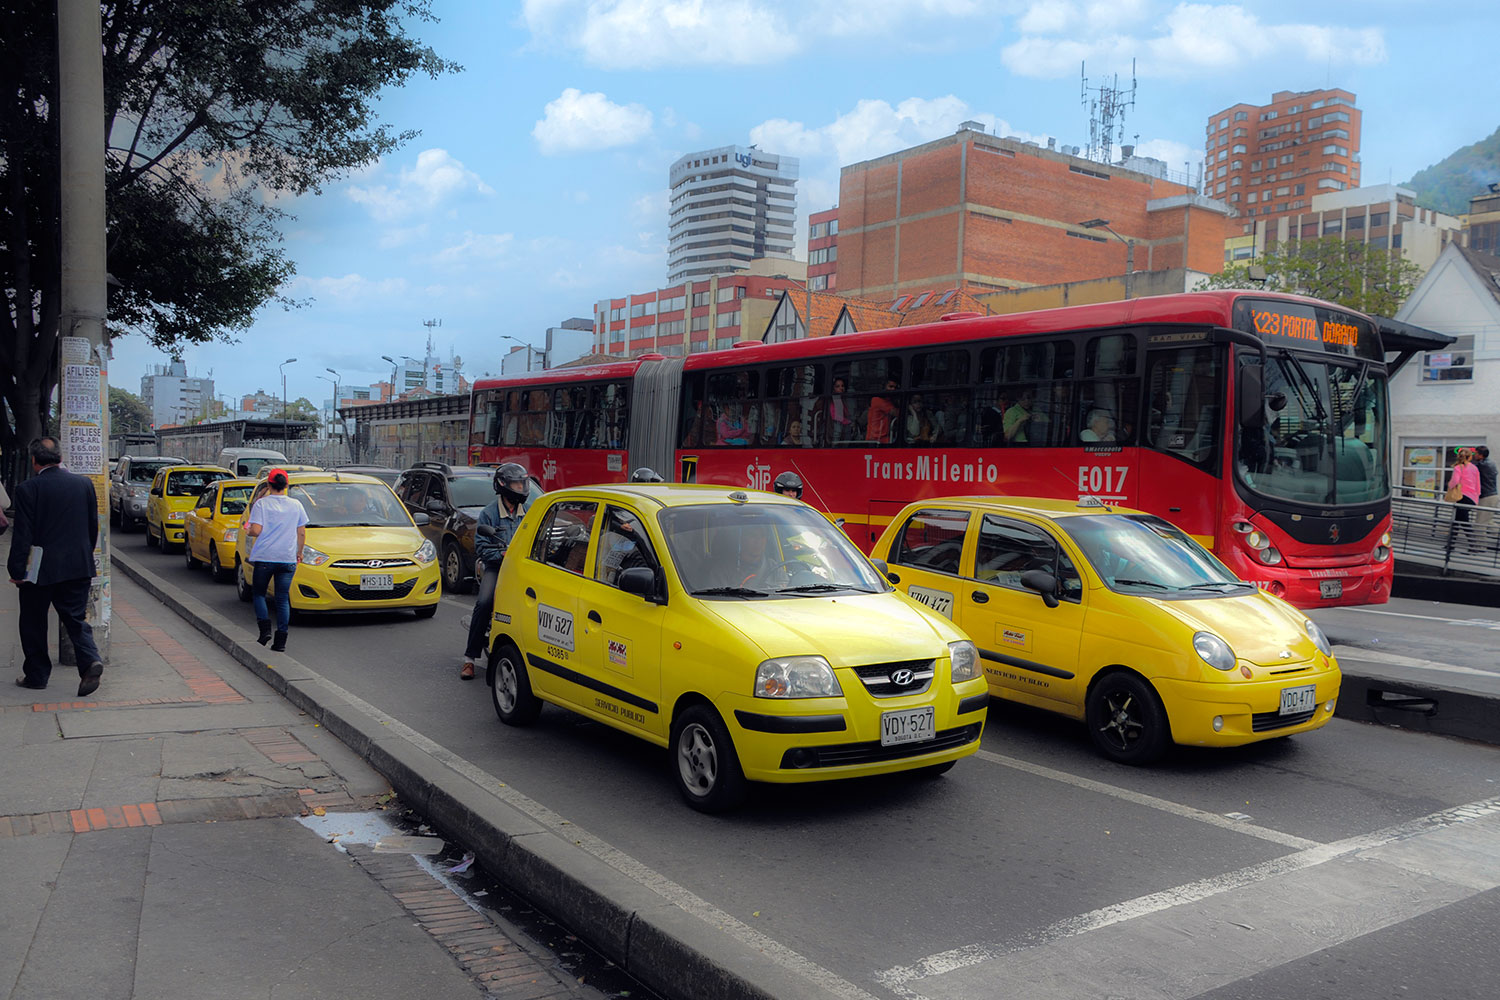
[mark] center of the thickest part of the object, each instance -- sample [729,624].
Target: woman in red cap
[277,528]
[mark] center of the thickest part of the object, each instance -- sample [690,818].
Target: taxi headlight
[230,534]
[312,557]
[176,515]
[427,553]
[1213,651]
[1316,635]
[796,677]
[964,657]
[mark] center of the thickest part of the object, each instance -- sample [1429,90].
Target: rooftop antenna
[431,325]
[1106,113]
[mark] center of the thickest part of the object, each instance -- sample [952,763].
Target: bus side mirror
[1249,394]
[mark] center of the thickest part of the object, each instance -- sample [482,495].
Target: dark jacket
[491,551]
[1486,477]
[58,511]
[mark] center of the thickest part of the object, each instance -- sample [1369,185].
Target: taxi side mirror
[638,580]
[1043,583]
[885,570]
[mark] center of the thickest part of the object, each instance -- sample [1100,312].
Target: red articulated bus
[1257,422]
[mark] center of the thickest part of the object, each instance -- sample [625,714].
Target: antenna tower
[431,325]
[1107,107]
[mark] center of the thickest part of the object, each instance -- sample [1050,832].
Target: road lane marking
[1461,865]
[1395,659]
[1476,622]
[679,895]
[1151,801]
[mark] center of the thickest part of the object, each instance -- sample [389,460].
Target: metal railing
[1432,533]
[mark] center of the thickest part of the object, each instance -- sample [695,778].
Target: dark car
[452,496]
[380,472]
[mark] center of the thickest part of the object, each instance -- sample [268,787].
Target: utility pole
[83,417]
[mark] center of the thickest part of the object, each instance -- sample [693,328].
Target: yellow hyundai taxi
[175,491]
[741,630]
[1116,618]
[363,551]
[213,526]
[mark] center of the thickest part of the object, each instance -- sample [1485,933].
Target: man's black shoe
[90,682]
[24,683]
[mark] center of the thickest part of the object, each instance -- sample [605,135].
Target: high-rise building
[730,206]
[1271,159]
[173,397]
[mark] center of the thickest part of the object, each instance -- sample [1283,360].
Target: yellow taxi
[213,526]
[363,551]
[1114,617]
[175,491]
[741,630]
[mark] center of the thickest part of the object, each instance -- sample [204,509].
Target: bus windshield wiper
[729,592]
[1293,369]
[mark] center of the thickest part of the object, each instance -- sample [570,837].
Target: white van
[247,462]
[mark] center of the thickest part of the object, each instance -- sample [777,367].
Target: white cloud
[1176,155]
[577,122]
[346,288]
[435,177]
[1190,39]
[401,236]
[789,138]
[873,128]
[651,208]
[474,248]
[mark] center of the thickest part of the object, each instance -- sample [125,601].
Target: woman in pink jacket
[1465,476]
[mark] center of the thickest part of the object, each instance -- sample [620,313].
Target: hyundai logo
[903,677]
[375,563]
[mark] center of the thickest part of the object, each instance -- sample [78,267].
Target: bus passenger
[1101,427]
[882,412]
[731,426]
[920,427]
[794,438]
[840,412]
[1018,416]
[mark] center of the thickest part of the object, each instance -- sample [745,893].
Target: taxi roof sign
[1089,502]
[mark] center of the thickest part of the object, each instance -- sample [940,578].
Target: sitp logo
[757,476]
[549,468]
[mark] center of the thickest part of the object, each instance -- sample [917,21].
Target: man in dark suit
[58,513]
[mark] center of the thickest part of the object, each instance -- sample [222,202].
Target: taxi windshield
[343,505]
[760,550]
[1141,554]
[192,483]
[232,499]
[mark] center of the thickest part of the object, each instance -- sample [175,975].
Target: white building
[1450,398]
[573,339]
[175,398]
[730,206]
[442,378]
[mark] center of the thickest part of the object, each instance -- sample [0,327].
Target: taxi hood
[1258,628]
[365,543]
[848,629]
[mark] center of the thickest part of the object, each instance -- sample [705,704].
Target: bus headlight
[796,677]
[1213,651]
[964,657]
[1269,555]
[1316,635]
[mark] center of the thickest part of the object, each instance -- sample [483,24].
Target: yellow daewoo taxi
[213,526]
[741,630]
[175,491]
[1114,617]
[363,551]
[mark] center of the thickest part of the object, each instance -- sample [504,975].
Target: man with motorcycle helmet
[788,484]
[504,513]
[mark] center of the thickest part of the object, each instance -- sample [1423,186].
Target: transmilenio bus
[1257,422]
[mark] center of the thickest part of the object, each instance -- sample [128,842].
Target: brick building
[1270,160]
[977,213]
[823,250]
[693,316]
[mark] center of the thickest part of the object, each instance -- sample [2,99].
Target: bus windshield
[1328,444]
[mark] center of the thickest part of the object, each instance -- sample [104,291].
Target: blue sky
[538,183]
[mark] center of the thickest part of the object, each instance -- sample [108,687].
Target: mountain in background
[1448,186]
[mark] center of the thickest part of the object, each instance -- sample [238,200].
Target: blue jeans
[265,572]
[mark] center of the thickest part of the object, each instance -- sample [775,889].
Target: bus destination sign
[1308,328]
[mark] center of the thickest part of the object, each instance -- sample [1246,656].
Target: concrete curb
[670,950]
[1391,697]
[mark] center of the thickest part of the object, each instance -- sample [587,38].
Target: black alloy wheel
[1126,719]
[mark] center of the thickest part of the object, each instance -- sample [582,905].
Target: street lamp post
[284,437]
[407,357]
[394,366]
[336,378]
[328,425]
[506,336]
[1129,247]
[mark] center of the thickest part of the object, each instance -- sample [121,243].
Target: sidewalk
[150,844]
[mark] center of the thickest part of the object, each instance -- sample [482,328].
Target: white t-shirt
[279,517]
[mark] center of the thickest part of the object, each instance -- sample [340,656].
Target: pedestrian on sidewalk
[504,513]
[277,528]
[52,562]
[1489,498]
[1463,489]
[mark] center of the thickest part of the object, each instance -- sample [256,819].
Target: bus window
[614,404]
[1026,403]
[1107,406]
[560,426]
[864,407]
[693,409]
[532,423]
[733,408]
[510,419]
[939,413]
[1182,414]
[791,416]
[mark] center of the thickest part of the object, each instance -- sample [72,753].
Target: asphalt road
[1312,865]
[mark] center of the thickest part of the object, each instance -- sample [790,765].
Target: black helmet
[788,483]
[645,475]
[511,472]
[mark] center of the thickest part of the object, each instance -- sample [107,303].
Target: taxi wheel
[510,688]
[704,762]
[425,612]
[1126,719]
[187,555]
[240,586]
[936,770]
[453,570]
[215,568]
[150,541]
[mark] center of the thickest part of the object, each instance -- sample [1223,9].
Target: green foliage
[127,412]
[1449,184]
[298,409]
[1351,274]
[213,109]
